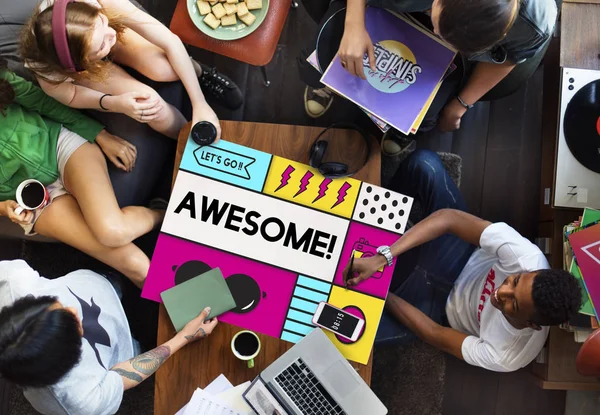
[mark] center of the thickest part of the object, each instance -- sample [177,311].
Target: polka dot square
[382,208]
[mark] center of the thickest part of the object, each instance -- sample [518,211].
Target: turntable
[577,180]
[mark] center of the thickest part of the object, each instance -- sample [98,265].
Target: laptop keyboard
[303,388]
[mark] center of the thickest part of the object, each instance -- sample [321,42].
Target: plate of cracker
[227,19]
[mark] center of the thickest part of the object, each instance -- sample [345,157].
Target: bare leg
[63,220]
[155,64]
[86,178]
[170,120]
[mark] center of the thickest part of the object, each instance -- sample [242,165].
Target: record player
[577,178]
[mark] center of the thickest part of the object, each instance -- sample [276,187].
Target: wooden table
[197,364]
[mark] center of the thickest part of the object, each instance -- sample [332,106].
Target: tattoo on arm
[189,338]
[129,375]
[147,363]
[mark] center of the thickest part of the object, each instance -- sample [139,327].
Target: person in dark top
[495,35]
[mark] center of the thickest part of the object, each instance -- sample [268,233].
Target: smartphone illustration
[338,321]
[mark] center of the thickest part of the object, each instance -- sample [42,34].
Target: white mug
[24,206]
[249,359]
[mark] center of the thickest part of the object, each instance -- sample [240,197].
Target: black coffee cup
[245,345]
[204,133]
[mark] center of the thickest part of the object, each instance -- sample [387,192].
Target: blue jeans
[425,275]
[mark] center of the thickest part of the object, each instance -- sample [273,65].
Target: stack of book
[581,243]
[410,66]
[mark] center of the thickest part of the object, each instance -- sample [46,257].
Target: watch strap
[387,254]
[463,103]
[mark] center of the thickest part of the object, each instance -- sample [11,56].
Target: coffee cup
[245,345]
[204,133]
[31,195]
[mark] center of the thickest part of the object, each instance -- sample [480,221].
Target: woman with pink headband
[76,49]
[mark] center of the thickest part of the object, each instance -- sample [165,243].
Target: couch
[155,153]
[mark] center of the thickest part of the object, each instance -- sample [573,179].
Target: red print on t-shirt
[488,289]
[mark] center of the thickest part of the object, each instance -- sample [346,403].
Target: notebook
[185,301]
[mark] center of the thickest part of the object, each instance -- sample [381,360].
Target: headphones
[334,169]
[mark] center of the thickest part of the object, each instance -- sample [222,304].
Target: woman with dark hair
[497,35]
[67,341]
[63,149]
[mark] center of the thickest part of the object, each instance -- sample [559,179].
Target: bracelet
[101,98]
[463,103]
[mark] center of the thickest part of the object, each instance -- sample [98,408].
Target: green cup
[245,345]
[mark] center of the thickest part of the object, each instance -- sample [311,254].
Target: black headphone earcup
[333,169]
[317,152]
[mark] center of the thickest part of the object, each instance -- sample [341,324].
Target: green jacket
[29,130]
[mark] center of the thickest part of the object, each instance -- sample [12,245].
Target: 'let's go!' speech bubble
[224,161]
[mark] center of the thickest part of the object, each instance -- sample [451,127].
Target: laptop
[312,378]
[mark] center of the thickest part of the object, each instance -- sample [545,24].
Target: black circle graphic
[189,270]
[376,198]
[380,221]
[387,195]
[383,207]
[365,202]
[373,210]
[361,215]
[245,291]
[391,216]
[369,189]
[401,213]
[395,203]
[405,200]
[398,226]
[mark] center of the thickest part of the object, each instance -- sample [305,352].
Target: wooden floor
[500,143]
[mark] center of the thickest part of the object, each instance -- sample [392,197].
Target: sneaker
[221,87]
[394,143]
[317,101]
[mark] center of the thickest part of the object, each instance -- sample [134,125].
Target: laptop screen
[262,400]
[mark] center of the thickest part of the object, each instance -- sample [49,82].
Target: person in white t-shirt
[67,341]
[499,298]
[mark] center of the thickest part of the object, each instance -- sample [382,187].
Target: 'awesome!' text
[237,219]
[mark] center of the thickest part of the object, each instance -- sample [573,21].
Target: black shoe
[221,87]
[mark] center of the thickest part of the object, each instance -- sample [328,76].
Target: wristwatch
[387,253]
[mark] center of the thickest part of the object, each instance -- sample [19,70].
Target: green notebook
[185,301]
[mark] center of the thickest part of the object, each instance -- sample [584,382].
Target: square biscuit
[219,11]
[211,20]
[203,7]
[230,8]
[242,9]
[228,20]
[248,19]
[254,4]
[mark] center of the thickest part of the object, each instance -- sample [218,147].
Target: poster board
[281,234]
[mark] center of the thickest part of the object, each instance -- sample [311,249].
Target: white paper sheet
[233,397]
[203,403]
[220,384]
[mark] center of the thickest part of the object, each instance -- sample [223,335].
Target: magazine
[410,64]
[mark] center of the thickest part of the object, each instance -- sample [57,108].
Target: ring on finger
[142,116]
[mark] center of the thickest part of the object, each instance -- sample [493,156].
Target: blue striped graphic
[290,337]
[300,316]
[297,327]
[304,305]
[310,295]
[321,286]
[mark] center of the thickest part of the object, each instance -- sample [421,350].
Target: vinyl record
[582,126]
